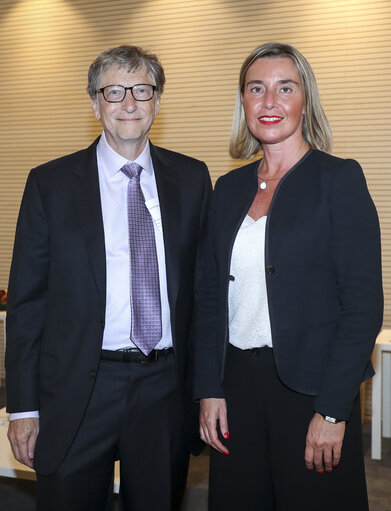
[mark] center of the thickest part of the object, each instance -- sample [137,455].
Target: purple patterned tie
[146,327]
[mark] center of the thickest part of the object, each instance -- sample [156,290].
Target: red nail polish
[328,471]
[335,466]
[226,435]
[320,472]
[310,469]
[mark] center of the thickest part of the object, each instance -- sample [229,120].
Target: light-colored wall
[46,47]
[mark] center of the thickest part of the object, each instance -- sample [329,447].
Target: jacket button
[232,278]
[92,373]
[270,269]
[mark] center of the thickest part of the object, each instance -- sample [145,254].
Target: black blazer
[323,278]
[57,289]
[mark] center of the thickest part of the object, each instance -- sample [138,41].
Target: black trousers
[135,414]
[265,469]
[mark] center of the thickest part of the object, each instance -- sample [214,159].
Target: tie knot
[132,169]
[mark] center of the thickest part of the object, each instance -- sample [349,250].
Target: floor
[18,495]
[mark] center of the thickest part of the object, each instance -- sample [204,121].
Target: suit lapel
[168,192]
[87,197]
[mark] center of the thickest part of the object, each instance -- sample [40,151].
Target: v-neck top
[249,322]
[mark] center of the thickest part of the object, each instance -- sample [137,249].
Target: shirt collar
[114,161]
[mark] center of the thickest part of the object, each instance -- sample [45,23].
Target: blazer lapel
[237,201]
[87,196]
[168,192]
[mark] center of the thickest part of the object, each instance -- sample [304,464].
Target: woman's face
[273,101]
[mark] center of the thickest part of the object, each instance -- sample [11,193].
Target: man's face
[126,124]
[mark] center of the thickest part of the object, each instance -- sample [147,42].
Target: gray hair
[316,128]
[130,58]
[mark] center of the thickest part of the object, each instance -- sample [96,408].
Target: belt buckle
[152,357]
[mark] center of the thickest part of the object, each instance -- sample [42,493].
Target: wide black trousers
[265,470]
[135,414]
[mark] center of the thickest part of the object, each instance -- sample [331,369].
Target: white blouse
[249,322]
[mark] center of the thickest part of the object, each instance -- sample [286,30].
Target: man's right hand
[22,434]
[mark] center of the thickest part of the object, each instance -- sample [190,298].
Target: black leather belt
[134,355]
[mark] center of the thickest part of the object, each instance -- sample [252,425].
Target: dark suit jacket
[323,278]
[57,289]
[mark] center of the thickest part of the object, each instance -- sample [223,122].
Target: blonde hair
[316,128]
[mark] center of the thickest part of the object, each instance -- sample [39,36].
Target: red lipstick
[269,120]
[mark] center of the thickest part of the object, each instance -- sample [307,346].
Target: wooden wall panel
[46,47]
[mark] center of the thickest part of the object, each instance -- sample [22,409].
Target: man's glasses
[117,93]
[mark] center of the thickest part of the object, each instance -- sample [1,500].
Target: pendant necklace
[263,185]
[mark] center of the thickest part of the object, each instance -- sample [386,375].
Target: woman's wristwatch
[333,420]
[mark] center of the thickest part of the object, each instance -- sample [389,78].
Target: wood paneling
[46,47]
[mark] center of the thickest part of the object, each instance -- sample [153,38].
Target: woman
[290,306]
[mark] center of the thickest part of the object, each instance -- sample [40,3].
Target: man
[100,303]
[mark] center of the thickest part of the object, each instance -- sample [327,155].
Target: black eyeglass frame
[102,91]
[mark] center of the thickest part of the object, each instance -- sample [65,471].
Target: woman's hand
[213,411]
[323,444]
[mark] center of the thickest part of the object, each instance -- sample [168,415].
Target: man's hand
[22,434]
[214,410]
[323,444]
